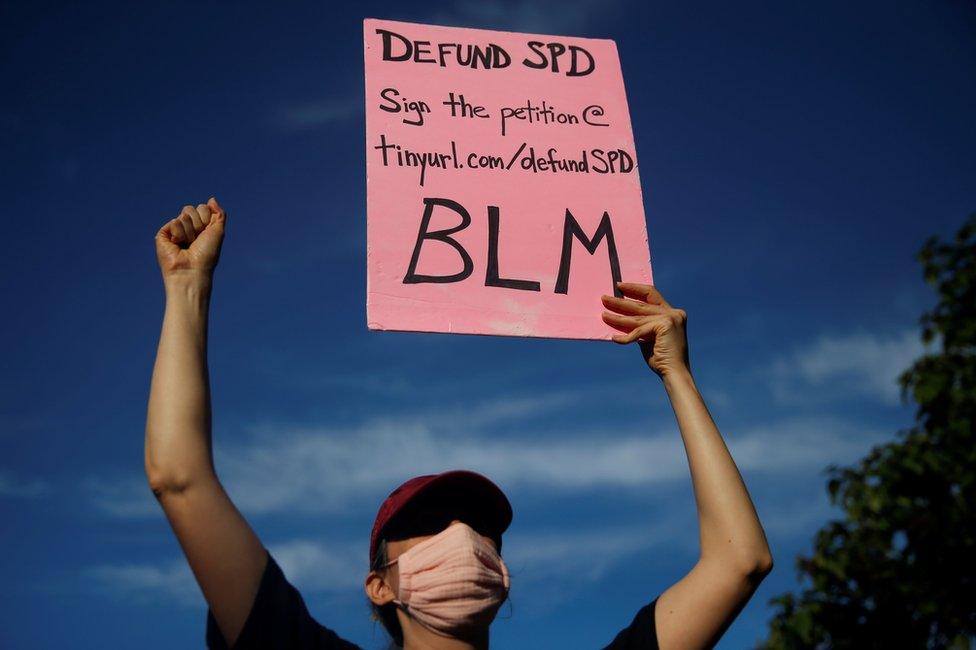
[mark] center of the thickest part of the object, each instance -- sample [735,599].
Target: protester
[436,577]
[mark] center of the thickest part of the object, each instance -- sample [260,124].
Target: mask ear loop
[396,600]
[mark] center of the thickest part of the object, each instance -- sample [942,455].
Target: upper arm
[224,553]
[696,610]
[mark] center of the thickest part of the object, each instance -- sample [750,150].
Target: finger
[643,292]
[204,211]
[187,223]
[629,322]
[170,232]
[217,210]
[185,232]
[650,295]
[626,329]
[173,231]
[195,220]
[635,290]
[637,286]
[644,332]
[625,306]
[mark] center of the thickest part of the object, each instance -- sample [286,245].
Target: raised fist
[190,243]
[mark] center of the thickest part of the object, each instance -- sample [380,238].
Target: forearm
[730,531]
[178,446]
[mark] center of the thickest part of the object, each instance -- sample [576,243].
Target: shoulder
[278,619]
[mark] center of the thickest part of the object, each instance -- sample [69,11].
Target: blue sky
[793,159]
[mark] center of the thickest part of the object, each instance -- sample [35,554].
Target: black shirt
[279,620]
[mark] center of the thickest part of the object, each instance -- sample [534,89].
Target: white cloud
[283,469]
[325,469]
[801,443]
[588,554]
[286,470]
[310,565]
[121,497]
[170,582]
[549,568]
[860,364]
[338,568]
[10,486]
[491,412]
[317,566]
[320,113]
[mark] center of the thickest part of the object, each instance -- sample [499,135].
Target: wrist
[188,283]
[678,379]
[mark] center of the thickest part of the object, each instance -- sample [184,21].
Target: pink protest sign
[502,188]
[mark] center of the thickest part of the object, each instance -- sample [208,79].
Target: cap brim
[482,499]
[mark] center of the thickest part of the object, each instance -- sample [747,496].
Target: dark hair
[386,614]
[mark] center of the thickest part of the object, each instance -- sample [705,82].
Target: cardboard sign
[502,187]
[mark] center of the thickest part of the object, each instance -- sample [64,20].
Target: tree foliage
[898,570]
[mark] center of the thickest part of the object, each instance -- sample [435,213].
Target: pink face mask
[452,583]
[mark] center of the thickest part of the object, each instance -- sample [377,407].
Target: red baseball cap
[480,498]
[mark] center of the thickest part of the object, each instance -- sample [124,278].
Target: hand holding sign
[648,319]
[502,187]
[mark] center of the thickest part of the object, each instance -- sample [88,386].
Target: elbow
[765,564]
[747,567]
[163,485]
[760,567]
[751,567]
[168,480]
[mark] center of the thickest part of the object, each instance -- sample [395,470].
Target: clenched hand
[190,243]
